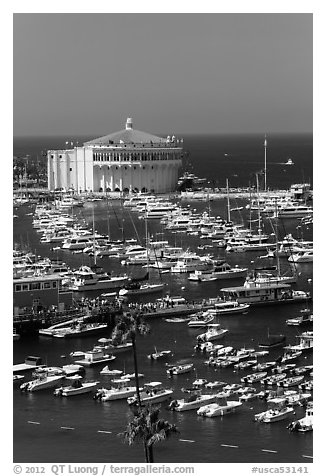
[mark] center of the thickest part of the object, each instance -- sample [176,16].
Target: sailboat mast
[94,252]
[228,198]
[265,168]
[276,243]
[258,201]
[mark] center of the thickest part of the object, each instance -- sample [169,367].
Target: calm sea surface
[48,442]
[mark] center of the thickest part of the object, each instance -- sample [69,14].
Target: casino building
[127,160]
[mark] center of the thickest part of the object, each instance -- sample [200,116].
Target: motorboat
[275,414]
[246,364]
[199,382]
[95,357]
[134,289]
[289,162]
[215,384]
[193,402]
[304,424]
[273,379]
[79,329]
[180,369]
[303,256]
[305,317]
[219,409]
[246,397]
[228,307]
[201,319]
[265,366]
[111,372]
[75,388]
[290,356]
[18,378]
[163,354]
[153,392]
[213,333]
[302,370]
[73,369]
[119,390]
[291,381]
[305,344]
[42,381]
[252,378]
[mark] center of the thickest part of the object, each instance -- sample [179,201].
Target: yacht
[305,344]
[94,278]
[189,262]
[179,369]
[294,211]
[136,288]
[220,270]
[274,414]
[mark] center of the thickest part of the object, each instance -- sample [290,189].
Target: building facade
[124,161]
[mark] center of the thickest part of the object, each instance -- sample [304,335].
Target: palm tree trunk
[133,340]
[150,454]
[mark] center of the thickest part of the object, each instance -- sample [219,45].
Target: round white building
[124,161]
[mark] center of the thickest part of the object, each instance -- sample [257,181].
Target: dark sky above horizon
[78,74]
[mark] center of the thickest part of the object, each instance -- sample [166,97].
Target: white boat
[94,278]
[305,344]
[120,390]
[304,256]
[276,414]
[304,424]
[291,381]
[217,409]
[289,162]
[219,271]
[290,356]
[72,369]
[251,293]
[135,289]
[273,379]
[213,333]
[163,354]
[228,307]
[18,378]
[75,388]
[294,211]
[199,382]
[78,329]
[95,357]
[41,382]
[252,378]
[153,392]
[112,372]
[180,369]
[200,320]
[189,262]
[215,384]
[193,402]
[305,317]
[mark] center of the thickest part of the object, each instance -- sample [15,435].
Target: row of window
[97,157]
[36,286]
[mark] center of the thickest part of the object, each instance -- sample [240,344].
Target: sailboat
[265,278]
[135,288]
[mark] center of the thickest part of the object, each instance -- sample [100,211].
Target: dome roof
[127,136]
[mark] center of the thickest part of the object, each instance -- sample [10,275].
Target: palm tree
[127,327]
[146,426]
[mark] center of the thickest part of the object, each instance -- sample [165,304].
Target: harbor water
[80,429]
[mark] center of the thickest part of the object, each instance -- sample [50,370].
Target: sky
[173,73]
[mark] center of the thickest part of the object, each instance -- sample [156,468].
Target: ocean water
[85,442]
[218,157]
